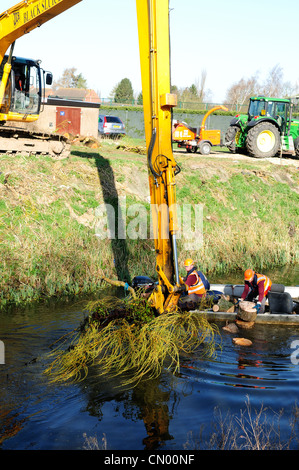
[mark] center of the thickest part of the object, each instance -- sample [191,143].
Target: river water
[169,413]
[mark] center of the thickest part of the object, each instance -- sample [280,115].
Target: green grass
[47,215]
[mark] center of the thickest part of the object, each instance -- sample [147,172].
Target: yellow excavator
[24,106]
[23,81]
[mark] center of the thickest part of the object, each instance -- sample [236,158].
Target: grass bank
[51,239]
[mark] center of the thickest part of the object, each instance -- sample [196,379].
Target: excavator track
[15,140]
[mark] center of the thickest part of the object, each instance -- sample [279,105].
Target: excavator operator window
[26,90]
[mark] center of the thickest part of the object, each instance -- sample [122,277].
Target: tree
[273,86]
[202,86]
[240,92]
[274,82]
[193,91]
[69,79]
[196,93]
[80,81]
[174,89]
[140,98]
[124,91]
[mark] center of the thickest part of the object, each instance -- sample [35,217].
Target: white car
[111,125]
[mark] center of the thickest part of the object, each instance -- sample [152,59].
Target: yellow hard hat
[188,262]
[248,275]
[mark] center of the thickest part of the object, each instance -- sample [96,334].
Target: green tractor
[266,130]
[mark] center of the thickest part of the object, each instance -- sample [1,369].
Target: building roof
[78,94]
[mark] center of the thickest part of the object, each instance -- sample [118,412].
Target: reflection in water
[154,410]
[149,402]
[10,424]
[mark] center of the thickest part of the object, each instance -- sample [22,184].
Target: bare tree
[273,85]
[205,94]
[196,93]
[240,92]
[201,87]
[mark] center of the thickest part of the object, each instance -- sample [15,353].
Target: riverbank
[52,241]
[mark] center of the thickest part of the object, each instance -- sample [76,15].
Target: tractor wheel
[230,138]
[263,140]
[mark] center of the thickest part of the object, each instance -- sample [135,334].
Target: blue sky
[229,39]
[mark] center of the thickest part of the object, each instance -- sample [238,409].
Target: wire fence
[196,106]
[193,105]
[233,108]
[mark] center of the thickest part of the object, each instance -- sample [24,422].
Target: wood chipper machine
[193,138]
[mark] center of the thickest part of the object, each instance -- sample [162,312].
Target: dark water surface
[169,413]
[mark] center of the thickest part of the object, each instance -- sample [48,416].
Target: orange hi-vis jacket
[198,287]
[256,283]
[267,282]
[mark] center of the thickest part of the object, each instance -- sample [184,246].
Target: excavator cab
[22,94]
[24,91]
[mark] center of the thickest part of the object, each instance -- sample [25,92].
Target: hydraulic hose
[150,152]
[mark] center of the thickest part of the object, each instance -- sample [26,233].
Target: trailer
[193,139]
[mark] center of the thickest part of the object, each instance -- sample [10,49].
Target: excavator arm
[154,47]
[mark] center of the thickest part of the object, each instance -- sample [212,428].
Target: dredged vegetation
[124,338]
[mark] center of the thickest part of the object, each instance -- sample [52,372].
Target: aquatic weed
[121,345]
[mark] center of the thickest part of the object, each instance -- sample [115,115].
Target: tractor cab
[273,109]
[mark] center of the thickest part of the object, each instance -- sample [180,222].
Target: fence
[196,106]
[193,105]
[134,120]
[233,108]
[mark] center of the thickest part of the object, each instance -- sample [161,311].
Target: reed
[245,245]
[251,429]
